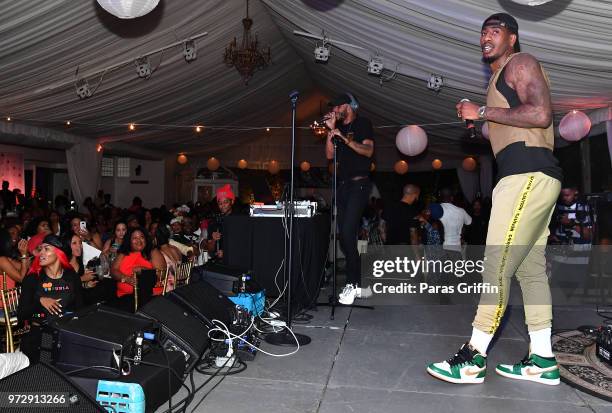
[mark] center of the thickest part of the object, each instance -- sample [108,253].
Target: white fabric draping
[44,41]
[83,162]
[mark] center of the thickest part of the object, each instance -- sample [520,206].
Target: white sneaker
[364,292]
[348,294]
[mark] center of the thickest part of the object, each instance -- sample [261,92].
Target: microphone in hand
[469,124]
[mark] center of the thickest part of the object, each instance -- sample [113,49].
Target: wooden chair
[10,303]
[183,274]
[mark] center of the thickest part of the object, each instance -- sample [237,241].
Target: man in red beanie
[225,202]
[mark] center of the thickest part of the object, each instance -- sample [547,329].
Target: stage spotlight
[375,66]
[435,82]
[82,89]
[321,53]
[143,67]
[190,51]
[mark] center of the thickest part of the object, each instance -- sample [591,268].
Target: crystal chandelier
[248,57]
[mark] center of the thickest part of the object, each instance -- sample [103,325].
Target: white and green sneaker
[543,370]
[468,366]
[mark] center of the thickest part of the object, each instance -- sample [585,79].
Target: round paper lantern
[242,164]
[469,164]
[305,166]
[273,167]
[372,167]
[574,126]
[411,140]
[213,164]
[531,2]
[436,164]
[182,159]
[485,130]
[401,167]
[128,9]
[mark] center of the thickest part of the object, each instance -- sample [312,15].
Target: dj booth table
[258,244]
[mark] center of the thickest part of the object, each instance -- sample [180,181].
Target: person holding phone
[79,227]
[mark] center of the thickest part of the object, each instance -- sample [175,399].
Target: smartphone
[83,225]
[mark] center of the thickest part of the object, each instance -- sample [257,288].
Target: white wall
[43,157]
[149,186]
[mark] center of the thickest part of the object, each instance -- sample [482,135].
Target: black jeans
[353,198]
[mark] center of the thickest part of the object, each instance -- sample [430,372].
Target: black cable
[242,366]
[216,384]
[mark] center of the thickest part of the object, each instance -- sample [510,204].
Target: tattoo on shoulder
[522,68]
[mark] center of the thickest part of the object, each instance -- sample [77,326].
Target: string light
[267,129]
[68,123]
[99,147]
[8,118]
[131,126]
[198,128]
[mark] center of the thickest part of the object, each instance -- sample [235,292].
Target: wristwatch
[482,112]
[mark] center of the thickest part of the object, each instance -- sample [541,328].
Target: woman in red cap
[50,290]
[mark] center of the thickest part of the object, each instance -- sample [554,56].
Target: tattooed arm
[525,76]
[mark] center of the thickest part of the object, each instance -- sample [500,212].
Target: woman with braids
[50,290]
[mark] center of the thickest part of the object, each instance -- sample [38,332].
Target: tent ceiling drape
[42,42]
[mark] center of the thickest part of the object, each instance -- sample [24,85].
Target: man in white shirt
[453,219]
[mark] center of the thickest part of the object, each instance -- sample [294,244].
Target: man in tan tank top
[519,113]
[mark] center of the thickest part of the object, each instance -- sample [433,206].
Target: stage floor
[374,361]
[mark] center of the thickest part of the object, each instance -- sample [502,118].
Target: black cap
[506,21]
[340,100]
[53,240]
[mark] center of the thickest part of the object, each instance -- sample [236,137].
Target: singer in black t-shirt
[355,146]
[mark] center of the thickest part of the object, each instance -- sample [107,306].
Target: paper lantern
[128,9]
[242,164]
[411,140]
[485,130]
[401,167]
[273,167]
[436,164]
[531,2]
[574,126]
[372,167]
[213,164]
[182,159]
[305,166]
[469,164]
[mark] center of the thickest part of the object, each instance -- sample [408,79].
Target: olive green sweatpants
[516,240]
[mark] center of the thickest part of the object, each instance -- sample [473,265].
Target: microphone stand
[286,337]
[333,299]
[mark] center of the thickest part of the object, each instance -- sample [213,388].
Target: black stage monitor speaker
[181,330]
[151,374]
[43,381]
[206,302]
[224,278]
[100,336]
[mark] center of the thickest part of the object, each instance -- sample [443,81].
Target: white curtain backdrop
[84,169]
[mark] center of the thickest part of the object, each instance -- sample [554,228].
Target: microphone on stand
[469,124]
